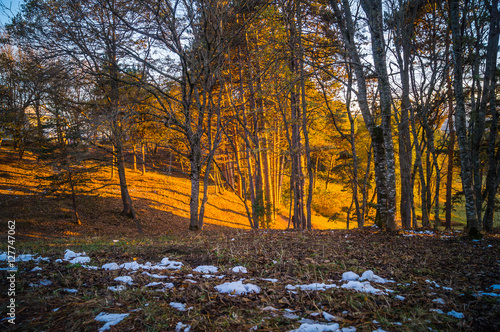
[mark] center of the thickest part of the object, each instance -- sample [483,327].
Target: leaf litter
[434,283]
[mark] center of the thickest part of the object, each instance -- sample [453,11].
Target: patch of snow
[110,319]
[439,311]
[3,256]
[157,276]
[130,266]
[45,259]
[364,287]
[80,260]
[239,269]
[182,327]
[58,260]
[69,254]
[439,301]
[237,288]
[118,288]
[485,294]
[328,317]
[370,276]
[206,269]
[311,287]
[495,287]
[289,315]
[36,268]
[24,258]
[455,314]
[399,297]
[125,279]
[54,310]
[269,308]
[191,281]
[110,266]
[270,279]
[317,327]
[90,267]
[70,290]
[178,306]
[315,314]
[347,276]
[43,282]
[171,265]
[433,283]
[447,288]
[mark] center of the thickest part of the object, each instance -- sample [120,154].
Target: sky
[8,9]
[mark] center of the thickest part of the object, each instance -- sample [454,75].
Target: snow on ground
[180,327]
[364,287]
[347,276]
[311,287]
[352,281]
[70,290]
[439,311]
[125,279]
[237,288]
[455,314]
[110,319]
[328,317]
[317,327]
[179,306]
[43,282]
[76,257]
[171,265]
[439,301]
[157,276]
[206,269]
[118,288]
[367,275]
[110,266]
[239,269]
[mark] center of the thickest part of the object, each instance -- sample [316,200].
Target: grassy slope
[161,201]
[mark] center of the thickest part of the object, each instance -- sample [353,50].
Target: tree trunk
[135,157]
[143,153]
[451,145]
[113,161]
[493,160]
[73,198]
[373,10]
[195,188]
[473,224]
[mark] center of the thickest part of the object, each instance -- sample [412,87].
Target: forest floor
[293,281]
[66,279]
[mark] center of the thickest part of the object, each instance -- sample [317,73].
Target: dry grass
[161,202]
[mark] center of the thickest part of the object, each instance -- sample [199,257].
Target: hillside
[161,202]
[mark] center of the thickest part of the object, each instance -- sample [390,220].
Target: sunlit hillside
[161,201]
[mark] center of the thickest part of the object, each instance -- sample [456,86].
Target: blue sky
[12,8]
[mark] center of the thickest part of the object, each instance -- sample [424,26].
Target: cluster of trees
[269,97]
